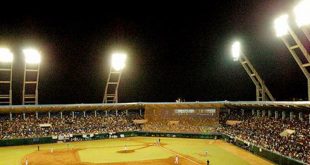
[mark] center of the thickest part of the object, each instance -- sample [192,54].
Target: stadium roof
[276,105]
[273,105]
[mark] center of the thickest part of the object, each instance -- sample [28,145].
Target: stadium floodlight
[281,25]
[111,89]
[302,13]
[236,50]
[118,61]
[262,92]
[6,56]
[32,56]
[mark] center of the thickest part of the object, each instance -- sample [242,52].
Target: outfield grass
[143,148]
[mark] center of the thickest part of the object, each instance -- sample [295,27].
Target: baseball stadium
[155,133]
[178,132]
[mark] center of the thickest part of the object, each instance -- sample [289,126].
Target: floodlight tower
[294,45]
[117,66]
[302,16]
[31,76]
[6,64]
[262,92]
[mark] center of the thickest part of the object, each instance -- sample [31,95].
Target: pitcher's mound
[126,151]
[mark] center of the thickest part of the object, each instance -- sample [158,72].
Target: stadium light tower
[31,76]
[6,65]
[118,63]
[295,46]
[302,16]
[262,92]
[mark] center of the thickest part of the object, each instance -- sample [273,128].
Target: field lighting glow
[236,50]
[302,13]
[118,60]
[6,55]
[281,25]
[32,56]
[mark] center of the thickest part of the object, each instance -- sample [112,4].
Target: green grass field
[142,149]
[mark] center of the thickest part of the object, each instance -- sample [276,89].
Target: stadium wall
[28,141]
[191,113]
[43,140]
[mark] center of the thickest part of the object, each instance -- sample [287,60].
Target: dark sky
[174,50]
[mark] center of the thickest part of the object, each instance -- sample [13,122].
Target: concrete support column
[257,113]
[276,114]
[126,112]
[264,113]
[84,113]
[291,115]
[269,113]
[253,112]
[61,115]
[24,116]
[11,116]
[72,114]
[300,116]
[140,112]
[106,113]
[283,115]
[49,115]
[37,115]
[116,112]
[95,113]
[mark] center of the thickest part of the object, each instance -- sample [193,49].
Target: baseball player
[26,162]
[125,147]
[176,161]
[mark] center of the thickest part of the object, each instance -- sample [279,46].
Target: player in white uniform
[176,160]
[125,147]
[26,162]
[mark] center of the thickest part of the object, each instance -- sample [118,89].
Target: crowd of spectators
[29,126]
[265,132]
[234,115]
[180,127]
[182,124]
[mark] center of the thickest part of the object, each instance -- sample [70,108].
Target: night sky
[174,50]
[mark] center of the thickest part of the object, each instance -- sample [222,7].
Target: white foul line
[180,155]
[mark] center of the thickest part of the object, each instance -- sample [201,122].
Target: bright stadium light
[6,56]
[118,61]
[302,13]
[32,56]
[281,25]
[236,50]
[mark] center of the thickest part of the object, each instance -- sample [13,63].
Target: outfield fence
[28,141]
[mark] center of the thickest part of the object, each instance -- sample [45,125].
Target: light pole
[6,60]
[117,65]
[295,46]
[262,92]
[31,76]
[302,16]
